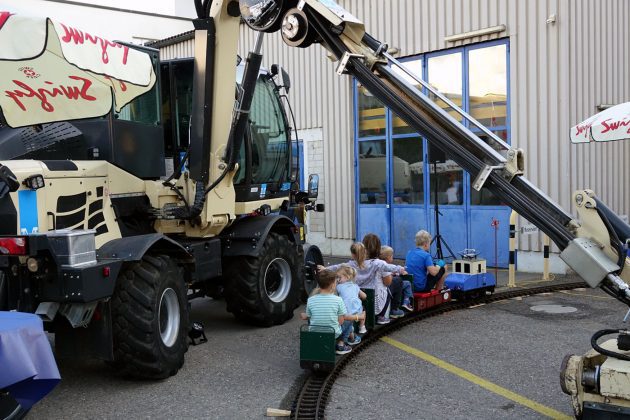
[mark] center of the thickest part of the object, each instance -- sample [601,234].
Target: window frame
[390,137]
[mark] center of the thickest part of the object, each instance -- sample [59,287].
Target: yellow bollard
[546,257]
[512,264]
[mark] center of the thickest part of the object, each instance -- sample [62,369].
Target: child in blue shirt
[352,296]
[328,310]
[426,274]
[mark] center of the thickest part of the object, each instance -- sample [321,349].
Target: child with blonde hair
[402,293]
[370,275]
[352,296]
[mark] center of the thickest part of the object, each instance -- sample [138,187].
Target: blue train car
[469,279]
[466,284]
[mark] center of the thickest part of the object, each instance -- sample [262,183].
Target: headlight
[262,15]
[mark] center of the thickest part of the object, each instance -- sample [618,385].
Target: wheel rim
[278,280]
[168,314]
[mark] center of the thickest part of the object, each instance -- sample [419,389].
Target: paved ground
[506,343]
[236,375]
[243,370]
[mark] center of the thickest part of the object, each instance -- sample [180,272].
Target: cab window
[269,141]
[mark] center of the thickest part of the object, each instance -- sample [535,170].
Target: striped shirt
[324,310]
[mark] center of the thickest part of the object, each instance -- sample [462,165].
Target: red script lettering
[3,18]
[614,125]
[74,93]
[79,37]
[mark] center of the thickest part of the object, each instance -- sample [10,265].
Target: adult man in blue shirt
[426,274]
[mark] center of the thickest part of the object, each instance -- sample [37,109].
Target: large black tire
[150,319]
[264,290]
[312,258]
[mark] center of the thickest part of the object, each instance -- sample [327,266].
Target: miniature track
[311,400]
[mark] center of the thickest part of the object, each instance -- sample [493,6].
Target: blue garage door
[404,185]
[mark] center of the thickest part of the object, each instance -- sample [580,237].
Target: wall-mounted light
[551,19]
[479,32]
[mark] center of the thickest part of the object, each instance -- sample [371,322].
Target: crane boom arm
[591,247]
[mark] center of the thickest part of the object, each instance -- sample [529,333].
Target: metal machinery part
[593,246]
[155,242]
[599,386]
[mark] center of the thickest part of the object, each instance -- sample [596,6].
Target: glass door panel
[374,208]
[371,114]
[372,172]
[487,78]
[415,67]
[445,74]
[408,211]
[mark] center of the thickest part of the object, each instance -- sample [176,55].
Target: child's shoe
[407,306]
[354,342]
[343,349]
[396,313]
[381,320]
[362,329]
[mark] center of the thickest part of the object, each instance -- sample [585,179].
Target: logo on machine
[29,72]
[78,90]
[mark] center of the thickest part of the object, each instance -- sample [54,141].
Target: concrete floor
[506,343]
[243,370]
[237,374]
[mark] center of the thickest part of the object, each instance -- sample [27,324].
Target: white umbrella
[609,125]
[54,72]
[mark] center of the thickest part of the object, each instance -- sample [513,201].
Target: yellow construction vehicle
[198,223]
[108,247]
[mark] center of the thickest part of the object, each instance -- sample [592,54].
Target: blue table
[27,366]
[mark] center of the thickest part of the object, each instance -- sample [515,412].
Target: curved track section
[311,400]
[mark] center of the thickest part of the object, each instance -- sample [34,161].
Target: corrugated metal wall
[559,72]
[182,49]
[599,72]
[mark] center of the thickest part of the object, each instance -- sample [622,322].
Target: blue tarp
[28,370]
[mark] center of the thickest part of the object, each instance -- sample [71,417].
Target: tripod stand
[438,238]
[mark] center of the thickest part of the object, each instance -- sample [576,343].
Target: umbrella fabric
[609,125]
[27,367]
[50,71]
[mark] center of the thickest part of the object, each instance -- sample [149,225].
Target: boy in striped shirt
[328,310]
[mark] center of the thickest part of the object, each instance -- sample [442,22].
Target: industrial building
[528,70]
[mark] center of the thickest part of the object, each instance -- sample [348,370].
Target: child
[328,310]
[352,296]
[370,275]
[387,255]
[372,245]
[426,275]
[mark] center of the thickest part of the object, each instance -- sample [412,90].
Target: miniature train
[469,280]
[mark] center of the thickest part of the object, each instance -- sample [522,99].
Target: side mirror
[285,80]
[313,186]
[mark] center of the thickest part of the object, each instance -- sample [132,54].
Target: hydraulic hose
[603,351]
[237,133]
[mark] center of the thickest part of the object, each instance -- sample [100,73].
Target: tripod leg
[452,254]
[438,247]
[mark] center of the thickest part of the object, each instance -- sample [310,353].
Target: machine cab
[265,163]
